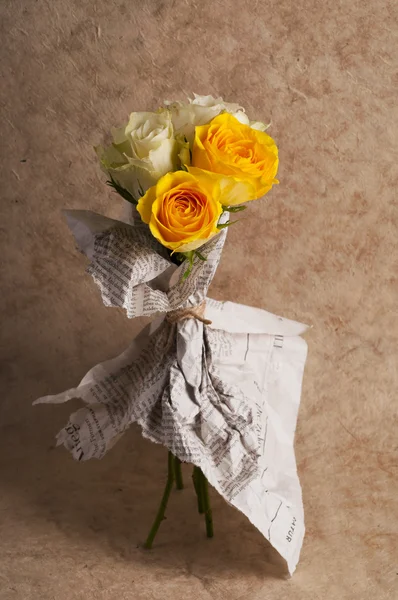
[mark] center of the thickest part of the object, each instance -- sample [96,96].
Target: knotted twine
[192,312]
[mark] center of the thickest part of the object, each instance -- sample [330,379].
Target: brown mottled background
[322,249]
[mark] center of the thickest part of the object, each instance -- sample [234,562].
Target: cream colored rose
[142,151]
[201,110]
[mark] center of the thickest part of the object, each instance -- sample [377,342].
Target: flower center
[185,204]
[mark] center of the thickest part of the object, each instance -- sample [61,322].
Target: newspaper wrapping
[223,397]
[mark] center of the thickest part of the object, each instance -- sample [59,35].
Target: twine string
[192,312]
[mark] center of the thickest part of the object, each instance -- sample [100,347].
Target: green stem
[207,507]
[163,504]
[178,473]
[196,478]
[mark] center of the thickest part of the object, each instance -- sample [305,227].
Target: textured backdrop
[321,248]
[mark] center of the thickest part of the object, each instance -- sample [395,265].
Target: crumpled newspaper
[223,396]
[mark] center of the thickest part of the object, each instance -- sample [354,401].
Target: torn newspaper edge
[224,397]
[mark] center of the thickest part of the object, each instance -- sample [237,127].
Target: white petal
[241,117]
[164,157]
[259,125]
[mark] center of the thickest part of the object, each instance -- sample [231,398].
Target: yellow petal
[231,190]
[144,206]
[169,181]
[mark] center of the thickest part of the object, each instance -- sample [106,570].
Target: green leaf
[189,256]
[121,191]
[177,257]
[200,256]
[227,224]
[234,209]
[187,272]
[183,168]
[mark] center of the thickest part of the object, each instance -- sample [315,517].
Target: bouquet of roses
[186,164]
[217,383]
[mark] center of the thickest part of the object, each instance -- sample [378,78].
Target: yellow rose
[233,149]
[182,209]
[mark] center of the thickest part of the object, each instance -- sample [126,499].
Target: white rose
[201,110]
[142,151]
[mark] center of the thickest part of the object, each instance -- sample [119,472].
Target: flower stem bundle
[174,474]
